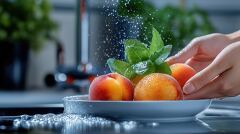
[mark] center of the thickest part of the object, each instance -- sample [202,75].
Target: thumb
[189,51]
[205,76]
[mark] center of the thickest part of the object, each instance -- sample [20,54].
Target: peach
[112,86]
[136,79]
[157,86]
[182,72]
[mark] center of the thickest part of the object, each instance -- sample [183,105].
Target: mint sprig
[135,51]
[141,59]
[157,42]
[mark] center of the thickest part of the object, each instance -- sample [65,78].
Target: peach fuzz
[112,86]
[182,72]
[157,86]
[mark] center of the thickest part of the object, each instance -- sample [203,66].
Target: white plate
[136,110]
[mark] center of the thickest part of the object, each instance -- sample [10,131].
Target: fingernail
[188,88]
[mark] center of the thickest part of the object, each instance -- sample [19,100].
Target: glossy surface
[182,72]
[223,116]
[69,124]
[111,87]
[157,86]
[136,110]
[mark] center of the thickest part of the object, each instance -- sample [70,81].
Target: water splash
[112,31]
[69,123]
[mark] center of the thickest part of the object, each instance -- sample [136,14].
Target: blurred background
[59,46]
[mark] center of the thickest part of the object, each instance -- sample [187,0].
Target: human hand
[201,51]
[220,79]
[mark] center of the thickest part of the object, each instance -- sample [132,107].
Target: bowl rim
[69,99]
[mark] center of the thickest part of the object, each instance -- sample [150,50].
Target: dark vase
[13,65]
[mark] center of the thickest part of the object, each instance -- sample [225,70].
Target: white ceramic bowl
[136,110]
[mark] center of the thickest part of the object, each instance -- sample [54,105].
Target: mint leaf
[156,54]
[141,60]
[121,67]
[157,42]
[144,67]
[135,51]
[117,65]
[163,68]
[136,54]
[161,56]
[166,51]
[129,72]
[134,42]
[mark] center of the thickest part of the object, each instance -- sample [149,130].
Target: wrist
[234,37]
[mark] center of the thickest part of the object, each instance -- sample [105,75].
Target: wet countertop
[223,116]
[43,97]
[70,124]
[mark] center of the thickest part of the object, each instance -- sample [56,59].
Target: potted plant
[24,26]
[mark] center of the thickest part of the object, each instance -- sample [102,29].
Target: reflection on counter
[68,124]
[87,124]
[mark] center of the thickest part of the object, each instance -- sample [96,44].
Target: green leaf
[136,54]
[157,42]
[129,72]
[161,55]
[121,67]
[135,51]
[134,42]
[144,67]
[166,51]
[163,68]
[117,65]
[155,55]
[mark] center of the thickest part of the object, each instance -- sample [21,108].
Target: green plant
[177,26]
[26,21]
[142,59]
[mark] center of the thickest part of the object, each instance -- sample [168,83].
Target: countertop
[223,116]
[32,98]
[94,125]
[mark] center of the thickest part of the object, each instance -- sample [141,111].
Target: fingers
[197,64]
[205,76]
[222,86]
[189,51]
[208,91]
[220,78]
